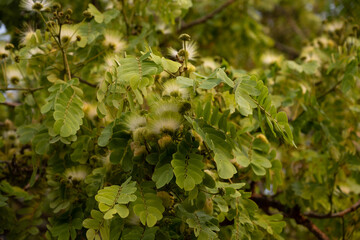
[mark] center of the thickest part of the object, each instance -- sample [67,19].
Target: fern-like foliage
[204,225]
[128,80]
[139,233]
[113,199]
[187,166]
[251,93]
[68,112]
[148,206]
[219,143]
[98,227]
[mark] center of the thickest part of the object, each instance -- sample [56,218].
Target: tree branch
[265,203]
[334,215]
[206,17]
[93,85]
[10,104]
[292,52]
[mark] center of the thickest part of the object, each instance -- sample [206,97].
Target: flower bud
[17,59]
[69,11]
[37,6]
[185,37]
[56,6]
[87,14]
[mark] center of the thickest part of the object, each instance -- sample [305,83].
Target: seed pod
[9,46]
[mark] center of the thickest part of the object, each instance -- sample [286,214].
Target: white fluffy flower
[3,52]
[35,5]
[269,58]
[191,48]
[14,75]
[76,173]
[166,123]
[333,26]
[135,121]
[164,107]
[68,33]
[27,34]
[171,88]
[110,62]
[113,40]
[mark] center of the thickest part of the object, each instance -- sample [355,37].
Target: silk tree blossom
[135,121]
[164,107]
[68,33]
[191,49]
[171,88]
[13,75]
[3,52]
[309,53]
[333,26]
[27,34]
[269,58]
[110,62]
[35,5]
[113,40]
[166,123]
[78,173]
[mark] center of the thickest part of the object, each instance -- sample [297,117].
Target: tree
[123,122]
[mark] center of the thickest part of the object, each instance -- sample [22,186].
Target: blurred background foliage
[240,33]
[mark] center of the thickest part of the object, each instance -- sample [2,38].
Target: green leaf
[348,81]
[68,113]
[162,175]
[2,98]
[112,199]
[310,67]
[294,66]
[167,64]
[110,14]
[258,170]
[225,168]
[98,16]
[184,81]
[105,135]
[187,167]
[148,206]
[222,75]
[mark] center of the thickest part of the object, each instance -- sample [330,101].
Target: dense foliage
[116,124]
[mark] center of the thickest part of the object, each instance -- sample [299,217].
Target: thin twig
[93,85]
[22,89]
[206,17]
[334,215]
[292,52]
